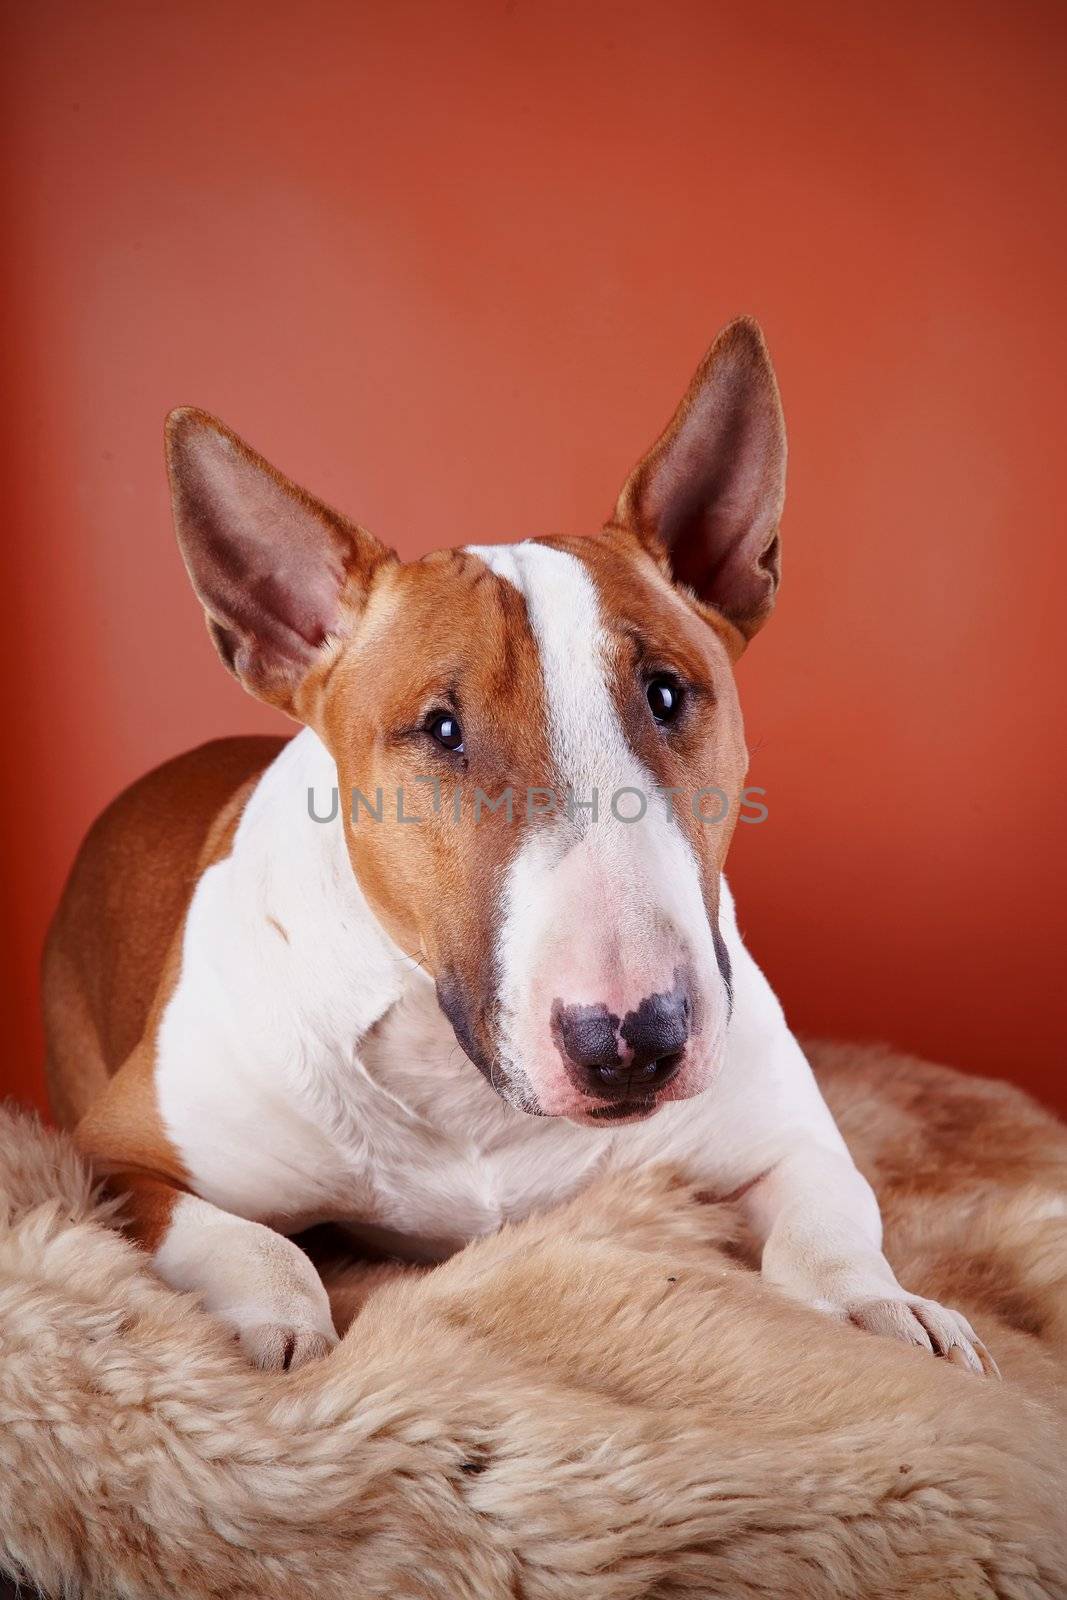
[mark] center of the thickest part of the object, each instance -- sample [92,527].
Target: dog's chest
[436,1157]
[429,1203]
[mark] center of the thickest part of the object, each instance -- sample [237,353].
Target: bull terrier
[434,1011]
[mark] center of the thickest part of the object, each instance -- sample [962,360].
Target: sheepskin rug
[601,1404]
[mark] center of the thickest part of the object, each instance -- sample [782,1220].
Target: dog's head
[559,718]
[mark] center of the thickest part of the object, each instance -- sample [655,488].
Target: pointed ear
[710,492]
[279,574]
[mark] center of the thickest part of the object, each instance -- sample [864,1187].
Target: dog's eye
[445,728]
[664,697]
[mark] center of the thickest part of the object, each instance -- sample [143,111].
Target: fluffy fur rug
[603,1404]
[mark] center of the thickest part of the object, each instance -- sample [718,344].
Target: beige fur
[601,1404]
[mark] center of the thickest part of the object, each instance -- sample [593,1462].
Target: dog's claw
[273,1347]
[989,1366]
[928,1325]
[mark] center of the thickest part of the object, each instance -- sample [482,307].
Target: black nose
[628,1059]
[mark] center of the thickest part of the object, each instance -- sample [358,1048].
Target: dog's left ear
[709,494]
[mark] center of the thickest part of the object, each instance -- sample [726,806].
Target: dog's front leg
[812,1212]
[821,1231]
[249,1276]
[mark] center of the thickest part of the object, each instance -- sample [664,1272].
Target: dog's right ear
[281,577]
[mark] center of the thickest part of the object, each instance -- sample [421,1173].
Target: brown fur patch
[465,647]
[114,957]
[148,1202]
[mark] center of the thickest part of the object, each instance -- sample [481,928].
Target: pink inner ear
[268,562]
[712,488]
[721,494]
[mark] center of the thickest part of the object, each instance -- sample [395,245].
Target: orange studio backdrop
[451,265]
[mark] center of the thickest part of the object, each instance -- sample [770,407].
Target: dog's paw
[912,1320]
[255,1281]
[280,1347]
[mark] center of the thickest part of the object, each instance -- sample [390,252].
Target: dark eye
[445,728]
[664,697]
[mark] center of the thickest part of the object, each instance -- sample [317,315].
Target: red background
[452,265]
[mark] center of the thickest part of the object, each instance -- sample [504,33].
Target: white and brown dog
[511,959]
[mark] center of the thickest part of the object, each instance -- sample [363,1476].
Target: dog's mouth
[594,1116]
[621,1110]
